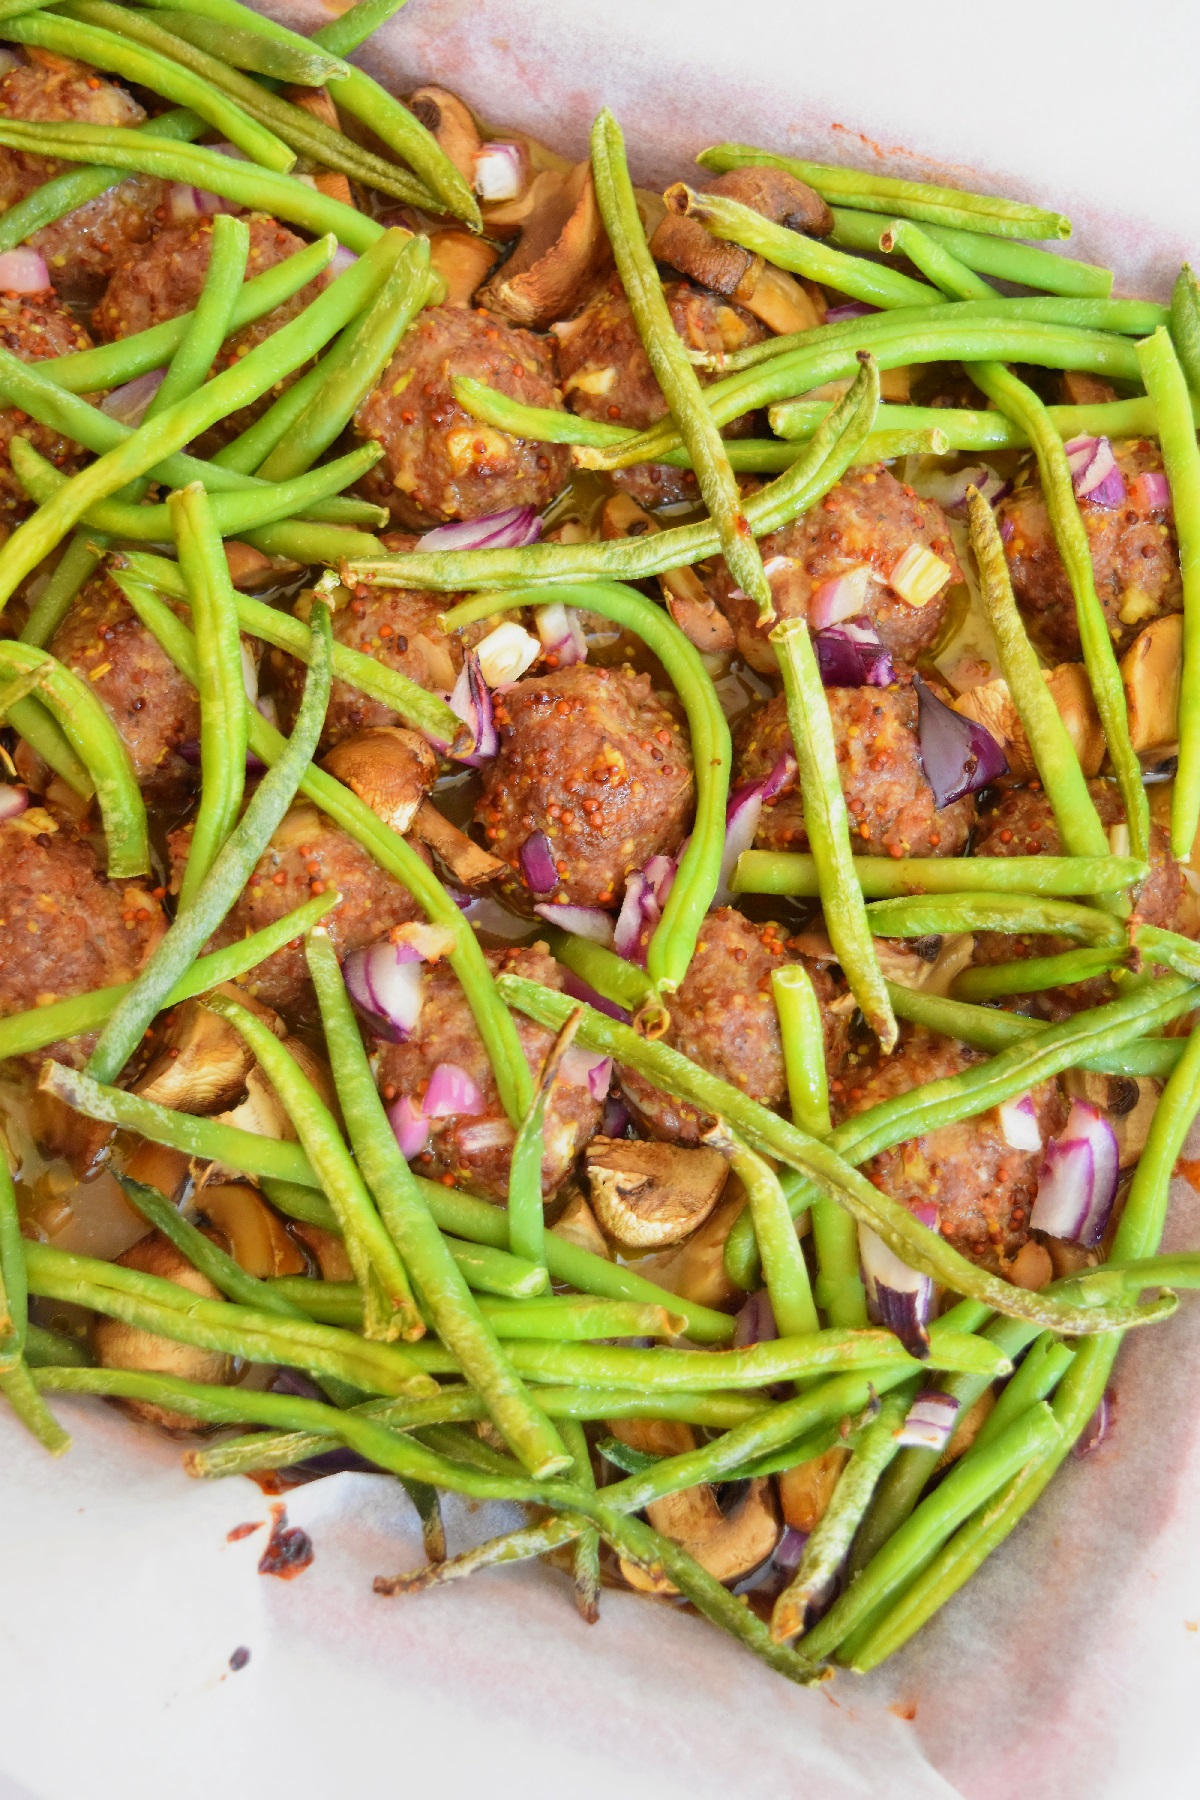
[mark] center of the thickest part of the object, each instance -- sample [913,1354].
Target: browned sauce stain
[904,1709]
[267,1480]
[243,1531]
[289,1550]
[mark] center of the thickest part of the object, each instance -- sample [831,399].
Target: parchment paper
[1069,1669]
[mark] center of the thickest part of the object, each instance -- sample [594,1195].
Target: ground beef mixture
[600,763]
[33,327]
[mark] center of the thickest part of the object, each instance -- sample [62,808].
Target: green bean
[373,1255]
[105,50]
[365,100]
[210,323]
[22,1033]
[1184,322]
[110,365]
[670,363]
[587,1549]
[828,825]
[734,223]
[988,430]
[1036,1378]
[824,1163]
[785,1271]
[246,184]
[75,187]
[373,337]
[870,192]
[884,877]
[294,127]
[989,1029]
[227,877]
[221,687]
[1167,388]
[602,969]
[78,563]
[94,740]
[483,1269]
[830,1540]
[936,263]
[1168,949]
[15,1383]
[151,1304]
[1020,402]
[999,257]
[932,914]
[263,56]
[556,1319]
[343,35]
[674,940]
[455,1316]
[1034,974]
[18,1388]
[301,542]
[51,1349]
[553,1533]
[1050,743]
[839,1289]
[526,1227]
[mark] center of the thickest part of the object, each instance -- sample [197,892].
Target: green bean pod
[1000,257]
[1035,974]
[794,873]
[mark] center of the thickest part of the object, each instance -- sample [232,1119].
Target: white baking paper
[1070,1667]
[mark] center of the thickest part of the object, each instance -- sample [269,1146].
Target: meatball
[65,929]
[308,855]
[33,327]
[723,1017]
[439,462]
[1022,824]
[606,373]
[982,1188]
[476,1149]
[166,278]
[84,247]
[596,761]
[891,805]
[154,708]
[868,519]
[1134,553]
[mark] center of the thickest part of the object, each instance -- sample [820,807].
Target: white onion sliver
[589,922]
[23,271]
[1018,1123]
[506,653]
[128,403]
[451,1092]
[929,1422]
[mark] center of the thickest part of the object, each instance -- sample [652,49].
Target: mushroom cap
[686,245]
[391,767]
[452,123]
[728,1544]
[778,196]
[121,1346]
[1151,669]
[562,248]
[648,1195]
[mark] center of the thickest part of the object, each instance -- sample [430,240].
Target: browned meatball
[593,759]
[1134,554]
[308,855]
[155,709]
[724,1018]
[1022,824]
[982,1188]
[165,279]
[84,247]
[892,812]
[33,327]
[439,462]
[869,518]
[606,373]
[64,929]
[476,1149]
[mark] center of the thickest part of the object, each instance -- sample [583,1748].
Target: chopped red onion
[13,801]
[898,1298]
[23,271]
[8,61]
[493,1134]
[341,260]
[386,985]
[853,309]
[842,598]
[583,921]
[1094,472]
[851,655]
[784,771]
[451,1092]
[537,864]
[1078,1180]
[959,757]
[755,1323]
[950,491]
[410,1126]
[500,170]
[646,894]
[615,1119]
[929,1422]
[562,635]
[1018,1123]
[128,403]
[507,530]
[1150,492]
[186,203]
[741,822]
[471,702]
[583,1068]
[579,989]
[506,653]
[789,1551]
[1096,1429]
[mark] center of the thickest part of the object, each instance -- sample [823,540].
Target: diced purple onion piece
[627,937]
[23,271]
[790,1548]
[13,801]
[471,702]
[615,1120]
[959,757]
[410,1126]
[579,989]
[1096,1429]
[499,171]
[851,655]
[386,985]
[537,864]
[1018,1123]
[784,771]
[929,1422]
[561,635]
[590,922]
[755,1323]
[507,530]
[341,260]
[898,1298]
[451,1093]
[1094,472]
[583,1068]
[853,309]
[128,404]
[1150,492]
[950,491]
[492,1134]
[741,822]
[1077,1184]
[843,597]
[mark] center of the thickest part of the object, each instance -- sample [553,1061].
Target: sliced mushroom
[777,195]
[783,303]
[158,1166]
[203,1064]
[991,705]
[696,1270]
[463,261]
[1150,669]
[688,601]
[729,1545]
[806,1490]
[261,1110]
[1072,694]
[969,1424]
[253,1231]
[470,865]
[647,1195]
[392,768]
[59,1130]
[562,248]
[576,1224]
[328,1250]
[319,104]
[252,568]
[121,1346]
[451,122]
[687,246]
[1128,1104]
[1081,389]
